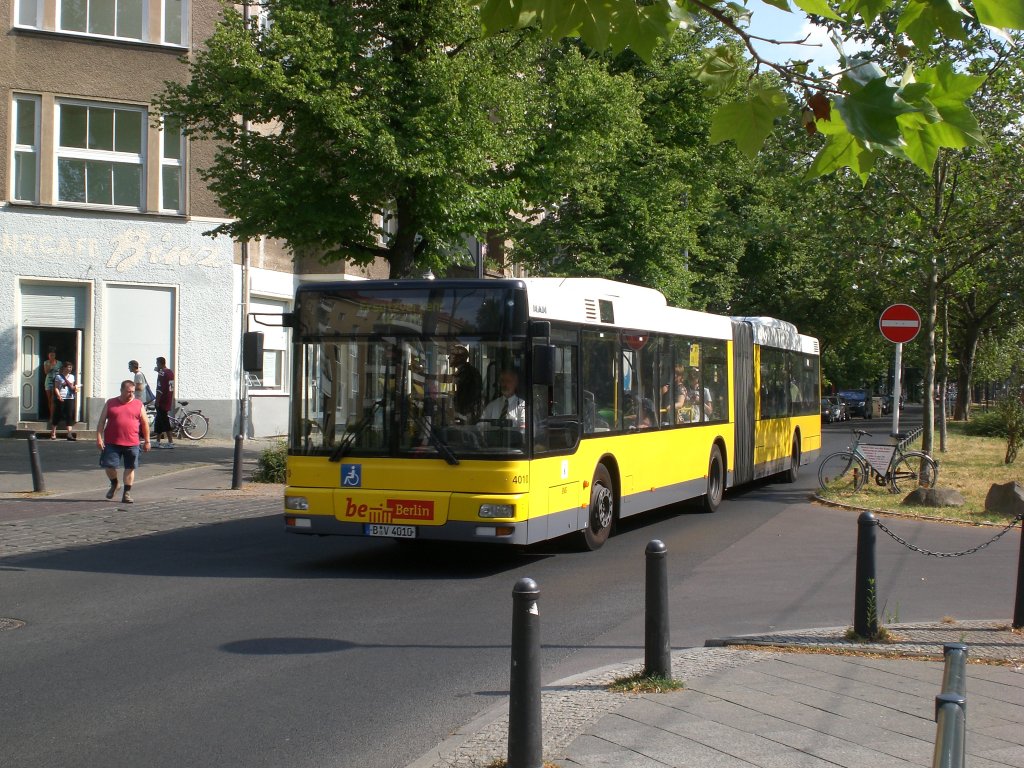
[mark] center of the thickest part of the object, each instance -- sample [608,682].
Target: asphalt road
[238,645]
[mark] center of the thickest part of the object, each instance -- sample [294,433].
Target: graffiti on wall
[132,248]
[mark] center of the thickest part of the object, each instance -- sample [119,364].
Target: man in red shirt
[121,425]
[164,402]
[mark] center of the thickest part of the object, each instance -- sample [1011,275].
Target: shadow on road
[258,548]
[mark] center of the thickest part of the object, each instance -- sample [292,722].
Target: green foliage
[270,467]
[1011,409]
[377,129]
[986,424]
[879,111]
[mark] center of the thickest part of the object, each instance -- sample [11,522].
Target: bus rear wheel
[791,474]
[716,481]
[602,510]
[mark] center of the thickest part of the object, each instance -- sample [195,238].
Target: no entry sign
[899,323]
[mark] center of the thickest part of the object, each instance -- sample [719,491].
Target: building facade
[103,255]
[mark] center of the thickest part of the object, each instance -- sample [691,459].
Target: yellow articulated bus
[515,411]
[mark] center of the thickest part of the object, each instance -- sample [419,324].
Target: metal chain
[970,551]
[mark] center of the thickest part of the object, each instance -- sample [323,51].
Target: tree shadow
[259,548]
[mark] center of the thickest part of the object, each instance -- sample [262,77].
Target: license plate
[390,531]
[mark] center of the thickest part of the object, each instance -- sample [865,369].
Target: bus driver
[508,406]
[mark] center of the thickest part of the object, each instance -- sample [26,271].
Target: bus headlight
[296,502]
[497,510]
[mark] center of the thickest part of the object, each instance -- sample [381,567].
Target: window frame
[178,163]
[153,15]
[17,148]
[100,155]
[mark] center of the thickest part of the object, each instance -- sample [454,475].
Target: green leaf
[1006,14]
[720,70]
[749,122]
[782,5]
[496,15]
[922,19]
[868,9]
[818,7]
[842,150]
[870,112]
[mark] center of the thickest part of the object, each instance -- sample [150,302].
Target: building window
[29,13]
[122,19]
[174,27]
[275,342]
[26,148]
[172,154]
[110,18]
[100,154]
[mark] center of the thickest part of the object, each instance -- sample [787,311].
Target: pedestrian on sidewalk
[122,421]
[51,367]
[143,391]
[65,387]
[164,402]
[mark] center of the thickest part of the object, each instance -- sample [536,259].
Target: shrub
[1012,411]
[270,467]
[990,424]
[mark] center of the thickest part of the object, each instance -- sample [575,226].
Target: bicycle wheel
[194,425]
[841,471]
[912,470]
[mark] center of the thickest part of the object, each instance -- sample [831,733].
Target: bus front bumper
[453,530]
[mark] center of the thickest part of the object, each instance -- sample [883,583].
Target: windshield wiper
[353,434]
[437,441]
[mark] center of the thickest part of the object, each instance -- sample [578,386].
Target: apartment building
[103,254]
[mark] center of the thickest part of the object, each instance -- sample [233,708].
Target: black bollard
[38,482]
[236,469]
[865,602]
[657,647]
[1018,604]
[525,743]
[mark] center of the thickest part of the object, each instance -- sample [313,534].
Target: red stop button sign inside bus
[899,323]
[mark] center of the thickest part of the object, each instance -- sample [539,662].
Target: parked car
[858,402]
[833,409]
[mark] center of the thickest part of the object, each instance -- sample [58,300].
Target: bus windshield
[410,373]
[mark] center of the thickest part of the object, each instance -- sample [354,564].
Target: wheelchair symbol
[351,475]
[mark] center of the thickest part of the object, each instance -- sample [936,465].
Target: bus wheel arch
[603,508]
[715,488]
[791,474]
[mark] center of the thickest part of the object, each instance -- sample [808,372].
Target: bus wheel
[716,480]
[602,510]
[790,475]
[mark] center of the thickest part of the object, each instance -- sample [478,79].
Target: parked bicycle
[191,424]
[889,465]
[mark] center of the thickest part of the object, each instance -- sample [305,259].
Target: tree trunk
[402,248]
[965,372]
[945,369]
[930,313]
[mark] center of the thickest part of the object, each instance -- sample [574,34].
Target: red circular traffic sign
[899,323]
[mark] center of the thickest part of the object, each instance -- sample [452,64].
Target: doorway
[36,342]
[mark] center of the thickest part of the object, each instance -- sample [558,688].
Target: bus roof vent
[590,310]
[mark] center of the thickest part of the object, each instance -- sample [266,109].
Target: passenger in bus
[508,406]
[699,412]
[468,383]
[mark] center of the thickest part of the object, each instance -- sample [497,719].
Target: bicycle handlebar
[862,433]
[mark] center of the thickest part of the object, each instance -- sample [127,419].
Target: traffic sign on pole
[899,323]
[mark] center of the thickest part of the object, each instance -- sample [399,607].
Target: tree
[623,183]
[361,130]
[867,111]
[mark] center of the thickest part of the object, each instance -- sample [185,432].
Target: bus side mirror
[544,365]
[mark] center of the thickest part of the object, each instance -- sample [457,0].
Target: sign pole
[896,384]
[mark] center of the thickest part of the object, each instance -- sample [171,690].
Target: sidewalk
[771,703]
[187,487]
